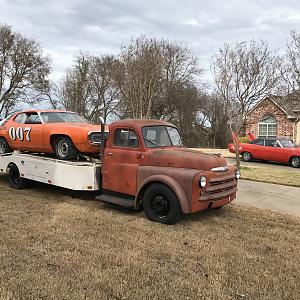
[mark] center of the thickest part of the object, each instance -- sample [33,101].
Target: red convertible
[272,149]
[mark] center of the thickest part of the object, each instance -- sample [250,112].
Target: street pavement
[275,197]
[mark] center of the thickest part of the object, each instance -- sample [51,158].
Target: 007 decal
[19,133]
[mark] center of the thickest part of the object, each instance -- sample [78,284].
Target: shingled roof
[290,104]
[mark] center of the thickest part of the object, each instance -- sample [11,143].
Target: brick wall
[285,127]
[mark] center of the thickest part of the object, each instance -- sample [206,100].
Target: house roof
[289,104]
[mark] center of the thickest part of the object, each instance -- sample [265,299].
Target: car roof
[139,123]
[43,110]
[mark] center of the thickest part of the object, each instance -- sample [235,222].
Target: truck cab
[146,166]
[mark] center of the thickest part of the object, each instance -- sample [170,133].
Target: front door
[122,158]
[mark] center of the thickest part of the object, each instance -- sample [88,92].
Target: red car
[272,149]
[64,133]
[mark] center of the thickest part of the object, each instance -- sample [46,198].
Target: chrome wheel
[295,162]
[247,156]
[2,147]
[63,148]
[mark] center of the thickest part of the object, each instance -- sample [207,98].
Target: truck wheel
[64,148]
[247,156]
[15,180]
[295,162]
[4,147]
[161,204]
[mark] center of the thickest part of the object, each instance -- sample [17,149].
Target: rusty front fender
[172,184]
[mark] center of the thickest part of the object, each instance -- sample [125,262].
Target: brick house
[275,116]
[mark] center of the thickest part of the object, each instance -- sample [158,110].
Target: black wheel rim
[15,176]
[160,206]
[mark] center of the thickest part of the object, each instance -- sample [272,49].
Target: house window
[267,127]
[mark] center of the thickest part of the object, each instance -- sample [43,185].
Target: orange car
[64,133]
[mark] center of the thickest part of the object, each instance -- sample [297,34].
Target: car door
[27,132]
[273,151]
[122,158]
[256,148]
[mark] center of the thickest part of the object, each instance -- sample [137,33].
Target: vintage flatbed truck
[142,165]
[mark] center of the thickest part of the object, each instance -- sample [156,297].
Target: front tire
[247,156]
[295,161]
[4,147]
[161,204]
[15,180]
[64,148]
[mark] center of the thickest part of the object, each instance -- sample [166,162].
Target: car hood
[84,126]
[182,158]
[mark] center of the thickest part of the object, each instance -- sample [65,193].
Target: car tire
[161,205]
[15,180]
[4,147]
[295,161]
[64,148]
[246,156]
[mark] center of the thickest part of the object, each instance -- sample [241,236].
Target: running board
[116,200]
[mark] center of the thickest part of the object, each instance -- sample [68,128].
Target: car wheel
[161,204]
[295,161]
[4,147]
[14,178]
[64,148]
[247,156]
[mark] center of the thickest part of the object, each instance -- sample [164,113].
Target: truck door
[122,158]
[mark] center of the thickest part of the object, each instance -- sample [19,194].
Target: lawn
[271,175]
[56,246]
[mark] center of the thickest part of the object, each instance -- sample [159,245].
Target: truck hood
[182,158]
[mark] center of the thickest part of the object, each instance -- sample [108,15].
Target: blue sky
[101,27]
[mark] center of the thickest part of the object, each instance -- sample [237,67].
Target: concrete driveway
[275,197]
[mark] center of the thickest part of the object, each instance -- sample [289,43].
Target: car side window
[20,118]
[33,118]
[258,142]
[125,138]
[270,143]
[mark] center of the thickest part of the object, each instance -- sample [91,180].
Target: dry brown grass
[271,175]
[58,247]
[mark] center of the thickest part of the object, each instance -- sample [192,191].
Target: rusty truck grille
[220,187]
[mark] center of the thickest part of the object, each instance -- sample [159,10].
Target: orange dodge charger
[64,133]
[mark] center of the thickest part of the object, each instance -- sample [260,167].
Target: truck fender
[171,183]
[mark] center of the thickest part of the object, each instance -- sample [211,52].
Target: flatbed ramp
[83,176]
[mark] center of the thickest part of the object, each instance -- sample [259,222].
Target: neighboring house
[275,116]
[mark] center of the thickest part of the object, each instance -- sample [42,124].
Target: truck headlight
[202,181]
[238,174]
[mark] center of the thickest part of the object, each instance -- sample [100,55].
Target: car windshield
[287,144]
[161,136]
[62,117]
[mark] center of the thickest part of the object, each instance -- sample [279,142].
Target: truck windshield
[62,117]
[161,136]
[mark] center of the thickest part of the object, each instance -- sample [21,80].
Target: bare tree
[23,70]
[76,87]
[291,70]
[104,90]
[244,74]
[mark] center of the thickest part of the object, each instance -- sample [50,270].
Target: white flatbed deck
[83,176]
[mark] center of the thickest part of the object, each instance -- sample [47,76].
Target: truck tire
[4,147]
[15,180]
[161,205]
[246,156]
[64,148]
[295,161]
